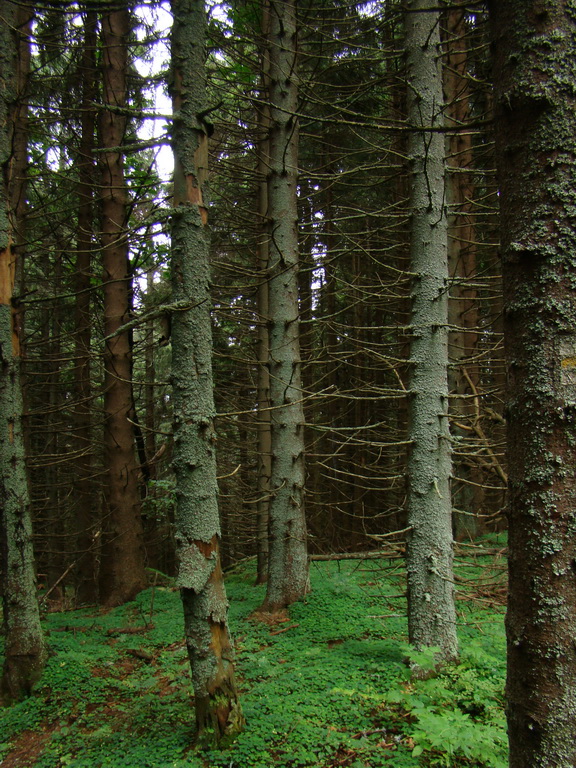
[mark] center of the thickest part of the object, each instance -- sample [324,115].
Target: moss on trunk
[197,534]
[534,72]
[25,651]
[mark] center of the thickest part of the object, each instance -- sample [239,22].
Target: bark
[325,486]
[431,613]
[218,712]
[150,389]
[400,260]
[361,372]
[463,307]
[288,578]
[122,572]
[535,101]
[17,182]
[24,651]
[54,522]
[86,572]
[264,418]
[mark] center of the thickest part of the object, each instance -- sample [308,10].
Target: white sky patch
[159,19]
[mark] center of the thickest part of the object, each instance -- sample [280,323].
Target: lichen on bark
[197,534]
[534,47]
[431,612]
[25,650]
[288,578]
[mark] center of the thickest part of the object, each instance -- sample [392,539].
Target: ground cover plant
[326,684]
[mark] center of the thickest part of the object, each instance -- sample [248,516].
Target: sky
[161,19]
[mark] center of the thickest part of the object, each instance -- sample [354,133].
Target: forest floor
[326,685]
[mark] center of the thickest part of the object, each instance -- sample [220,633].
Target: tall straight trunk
[535,102]
[325,484]
[400,260]
[86,514]
[150,389]
[56,538]
[218,713]
[431,612]
[122,572]
[463,308]
[24,651]
[359,416]
[263,396]
[17,182]
[288,578]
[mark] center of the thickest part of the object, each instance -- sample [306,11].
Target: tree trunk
[122,572]
[86,492]
[24,652]
[431,612]
[535,102]
[463,308]
[326,488]
[150,388]
[218,713]
[263,396]
[288,572]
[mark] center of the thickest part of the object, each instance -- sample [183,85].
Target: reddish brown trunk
[122,573]
[86,513]
[263,395]
[463,308]
[149,395]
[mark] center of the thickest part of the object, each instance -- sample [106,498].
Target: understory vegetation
[327,684]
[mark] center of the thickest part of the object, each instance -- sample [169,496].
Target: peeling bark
[218,712]
[25,651]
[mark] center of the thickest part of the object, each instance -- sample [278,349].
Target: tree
[339,279]
[462,255]
[122,573]
[263,251]
[431,612]
[25,651]
[218,712]
[535,103]
[288,555]
[86,488]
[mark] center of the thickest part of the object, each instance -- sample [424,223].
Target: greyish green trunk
[25,652]
[288,558]
[535,74]
[218,713]
[431,613]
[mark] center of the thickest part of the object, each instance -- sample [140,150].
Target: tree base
[19,677]
[219,719]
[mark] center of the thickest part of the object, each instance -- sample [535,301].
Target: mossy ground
[325,685]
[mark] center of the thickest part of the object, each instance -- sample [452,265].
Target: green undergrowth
[327,685]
